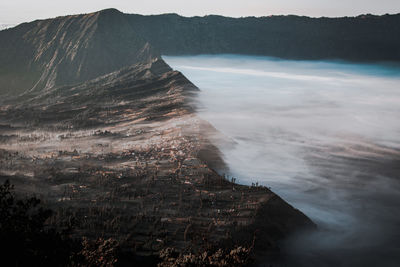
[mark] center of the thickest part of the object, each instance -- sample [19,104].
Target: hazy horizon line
[205,15]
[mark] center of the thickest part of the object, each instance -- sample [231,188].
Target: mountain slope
[67,50]
[105,131]
[124,156]
[152,91]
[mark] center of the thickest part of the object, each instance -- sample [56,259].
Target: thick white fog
[325,136]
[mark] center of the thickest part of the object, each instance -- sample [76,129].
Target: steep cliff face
[67,50]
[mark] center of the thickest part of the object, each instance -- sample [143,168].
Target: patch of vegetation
[239,256]
[26,240]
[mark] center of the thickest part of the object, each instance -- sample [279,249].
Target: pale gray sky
[17,11]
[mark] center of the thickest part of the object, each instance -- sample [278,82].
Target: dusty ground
[134,166]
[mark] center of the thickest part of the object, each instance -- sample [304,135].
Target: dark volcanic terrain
[94,122]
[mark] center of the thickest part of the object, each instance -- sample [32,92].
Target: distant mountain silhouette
[44,54]
[362,38]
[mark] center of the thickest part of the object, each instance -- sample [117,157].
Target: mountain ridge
[46,53]
[65,50]
[126,157]
[106,132]
[364,38]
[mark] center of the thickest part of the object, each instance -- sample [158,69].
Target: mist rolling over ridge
[163,140]
[324,135]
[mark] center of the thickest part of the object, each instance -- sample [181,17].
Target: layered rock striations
[47,53]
